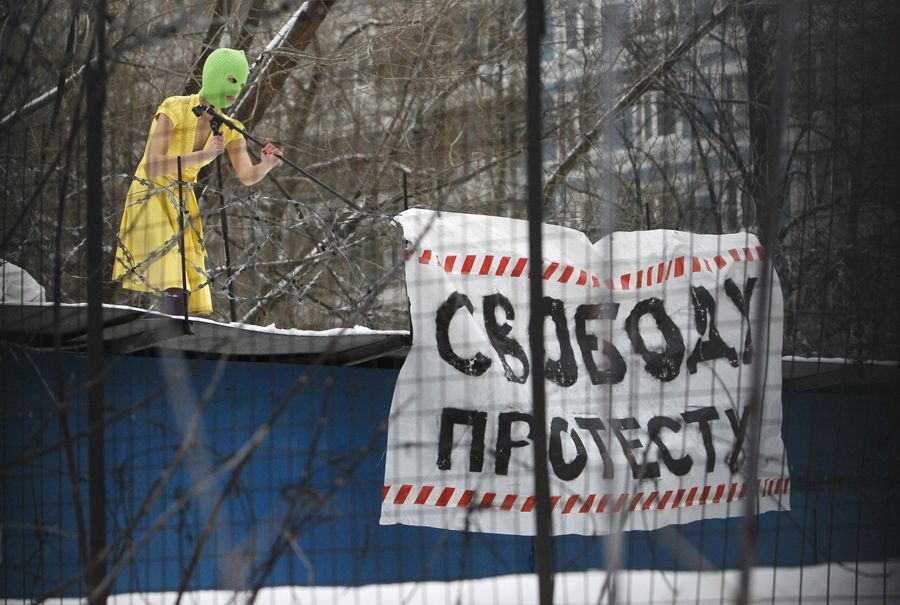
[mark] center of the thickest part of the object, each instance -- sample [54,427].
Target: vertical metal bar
[181,232]
[405,191]
[95,97]
[543,537]
[223,216]
[774,188]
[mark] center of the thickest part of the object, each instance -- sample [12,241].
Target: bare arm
[248,172]
[159,163]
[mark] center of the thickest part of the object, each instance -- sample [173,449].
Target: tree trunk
[275,70]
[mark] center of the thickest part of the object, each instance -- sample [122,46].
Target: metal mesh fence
[250,454]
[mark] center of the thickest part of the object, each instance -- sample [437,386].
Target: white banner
[651,343]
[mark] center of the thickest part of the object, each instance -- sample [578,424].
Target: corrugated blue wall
[312,486]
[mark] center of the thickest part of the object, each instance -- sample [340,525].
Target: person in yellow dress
[148,254]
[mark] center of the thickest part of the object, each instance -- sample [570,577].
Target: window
[666,116]
[625,128]
[589,23]
[656,116]
[734,102]
[571,24]
[651,15]
[580,17]
[645,117]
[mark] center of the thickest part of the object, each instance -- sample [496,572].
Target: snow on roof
[132,330]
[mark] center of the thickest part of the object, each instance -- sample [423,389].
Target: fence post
[95,100]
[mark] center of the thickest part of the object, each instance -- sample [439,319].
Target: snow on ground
[835,584]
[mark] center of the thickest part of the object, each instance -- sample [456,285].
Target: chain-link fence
[352,422]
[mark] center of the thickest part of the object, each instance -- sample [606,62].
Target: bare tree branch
[284,54]
[631,96]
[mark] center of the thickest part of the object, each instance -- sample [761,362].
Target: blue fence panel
[287,462]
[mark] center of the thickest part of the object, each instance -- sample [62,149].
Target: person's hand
[215,146]
[271,155]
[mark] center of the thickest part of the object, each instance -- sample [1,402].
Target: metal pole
[95,99]
[543,536]
[405,193]
[220,120]
[763,306]
[223,217]
[181,212]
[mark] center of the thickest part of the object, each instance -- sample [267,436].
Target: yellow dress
[148,258]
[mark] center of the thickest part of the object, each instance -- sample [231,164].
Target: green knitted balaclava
[222,66]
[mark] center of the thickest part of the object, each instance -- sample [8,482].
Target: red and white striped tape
[452,497]
[518,266]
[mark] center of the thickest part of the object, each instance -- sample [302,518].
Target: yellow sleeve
[171,109]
